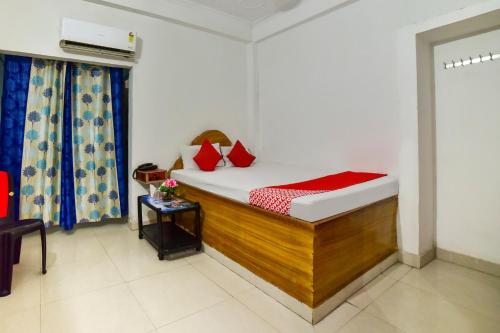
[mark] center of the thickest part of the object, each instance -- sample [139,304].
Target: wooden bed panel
[309,261]
[351,245]
[269,245]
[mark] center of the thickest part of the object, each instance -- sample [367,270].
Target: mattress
[236,184]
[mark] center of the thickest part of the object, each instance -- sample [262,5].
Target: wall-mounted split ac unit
[97,39]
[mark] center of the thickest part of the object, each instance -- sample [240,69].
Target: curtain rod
[471,61]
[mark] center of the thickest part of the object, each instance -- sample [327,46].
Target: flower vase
[168,188]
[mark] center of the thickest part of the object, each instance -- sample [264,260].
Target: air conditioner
[97,39]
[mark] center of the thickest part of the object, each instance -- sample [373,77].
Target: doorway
[467,116]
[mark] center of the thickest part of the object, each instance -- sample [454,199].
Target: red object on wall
[4,194]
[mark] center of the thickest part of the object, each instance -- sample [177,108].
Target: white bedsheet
[236,184]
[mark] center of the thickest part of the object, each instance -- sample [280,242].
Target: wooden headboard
[214,136]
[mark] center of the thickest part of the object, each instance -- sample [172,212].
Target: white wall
[184,82]
[329,94]
[328,88]
[187,13]
[468,149]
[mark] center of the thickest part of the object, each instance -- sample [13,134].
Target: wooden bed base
[309,261]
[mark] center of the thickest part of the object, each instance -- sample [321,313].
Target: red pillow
[208,157]
[239,156]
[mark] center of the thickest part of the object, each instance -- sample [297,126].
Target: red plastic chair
[11,233]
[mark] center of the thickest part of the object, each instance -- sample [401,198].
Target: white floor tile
[25,321]
[25,291]
[32,239]
[111,228]
[82,230]
[365,323]
[371,291]
[397,271]
[120,241]
[74,279]
[84,291]
[142,264]
[222,276]
[173,295]
[31,253]
[226,317]
[273,312]
[197,257]
[337,319]
[65,248]
[414,310]
[287,321]
[472,289]
[113,310]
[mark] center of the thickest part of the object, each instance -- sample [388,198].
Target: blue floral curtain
[61,135]
[96,179]
[41,164]
[14,98]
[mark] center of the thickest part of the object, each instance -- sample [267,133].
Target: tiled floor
[104,279]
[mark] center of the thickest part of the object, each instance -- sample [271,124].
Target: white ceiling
[250,10]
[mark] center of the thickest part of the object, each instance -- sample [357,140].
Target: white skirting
[311,315]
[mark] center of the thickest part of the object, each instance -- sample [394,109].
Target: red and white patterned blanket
[279,198]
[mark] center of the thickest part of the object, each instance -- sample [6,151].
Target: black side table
[169,238]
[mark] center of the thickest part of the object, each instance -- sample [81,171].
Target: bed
[236,184]
[329,241]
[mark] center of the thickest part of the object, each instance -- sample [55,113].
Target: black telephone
[144,167]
